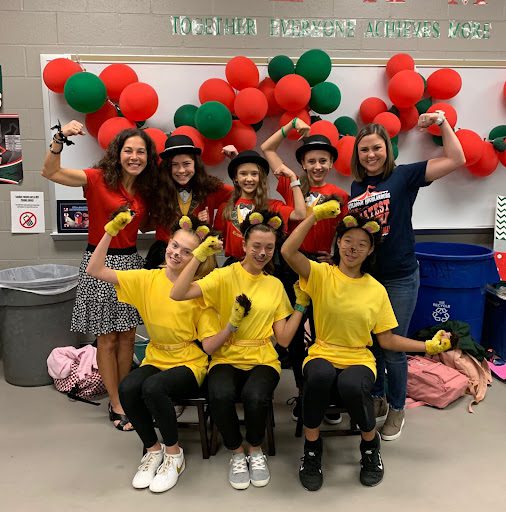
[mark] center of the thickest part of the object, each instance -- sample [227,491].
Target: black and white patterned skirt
[97,310]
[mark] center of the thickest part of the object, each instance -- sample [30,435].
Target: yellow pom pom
[274,222]
[256,218]
[185,222]
[350,222]
[371,227]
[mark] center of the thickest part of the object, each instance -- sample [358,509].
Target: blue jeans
[402,293]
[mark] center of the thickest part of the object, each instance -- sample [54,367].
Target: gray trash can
[35,311]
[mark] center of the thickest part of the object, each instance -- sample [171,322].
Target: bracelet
[295,183]
[294,122]
[62,139]
[300,308]
[283,132]
[441,117]
[55,152]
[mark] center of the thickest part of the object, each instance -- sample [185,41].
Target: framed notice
[11,158]
[72,216]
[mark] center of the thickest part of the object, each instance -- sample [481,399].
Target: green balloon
[346,126]
[185,116]
[437,140]
[395,140]
[280,66]
[314,66]
[423,105]
[85,92]
[395,149]
[499,144]
[325,98]
[213,120]
[498,131]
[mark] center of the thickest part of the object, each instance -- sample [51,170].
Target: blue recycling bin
[453,279]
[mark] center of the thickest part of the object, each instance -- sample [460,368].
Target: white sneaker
[238,475]
[147,470]
[168,472]
[258,469]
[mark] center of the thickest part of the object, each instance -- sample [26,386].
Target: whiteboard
[458,201]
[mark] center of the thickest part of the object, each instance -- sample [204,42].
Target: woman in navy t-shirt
[387,192]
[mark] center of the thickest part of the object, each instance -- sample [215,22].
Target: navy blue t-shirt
[391,202]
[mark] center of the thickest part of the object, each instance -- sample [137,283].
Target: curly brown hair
[201,183]
[110,164]
[261,199]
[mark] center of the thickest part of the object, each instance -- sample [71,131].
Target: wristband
[51,150]
[283,132]
[441,117]
[294,122]
[301,309]
[295,183]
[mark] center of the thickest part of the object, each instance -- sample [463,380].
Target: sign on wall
[27,212]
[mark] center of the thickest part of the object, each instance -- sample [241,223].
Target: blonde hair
[357,170]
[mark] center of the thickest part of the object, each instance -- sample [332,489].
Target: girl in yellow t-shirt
[349,305]
[174,366]
[245,366]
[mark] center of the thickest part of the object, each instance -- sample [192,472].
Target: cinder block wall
[31,27]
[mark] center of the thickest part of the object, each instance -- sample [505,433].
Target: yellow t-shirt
[167,321]
[269,303]
[346,311]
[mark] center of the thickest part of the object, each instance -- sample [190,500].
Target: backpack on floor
[433,382]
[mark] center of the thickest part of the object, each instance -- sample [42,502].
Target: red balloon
[216,89]
[213,152]
[267,86]
[111,128]
[241,72]
[405,88]
[444,84]
[504,91]
[288,116]
[390,122]
[399,62]
[241,136]
[158,137]
[193,133]
[57,71]
[344,152]
[450,114]
[408,118]
[502,156]
[138,101]
[250,105]
[487,164]
[370,108]
[326,128]
[292,92]
[472,145]
[116,77]
[95,120]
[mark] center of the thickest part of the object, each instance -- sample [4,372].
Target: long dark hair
[110,164]
[201,183]
[357,170]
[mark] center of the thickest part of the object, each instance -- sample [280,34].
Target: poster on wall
[11,158]
[27,212]
[72,216]
[1,88]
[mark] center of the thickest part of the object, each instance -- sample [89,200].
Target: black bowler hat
[179,145]
[315,142]
[246,157]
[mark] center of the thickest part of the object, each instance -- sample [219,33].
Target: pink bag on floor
[434,383]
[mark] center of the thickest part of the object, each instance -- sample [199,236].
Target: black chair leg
[204,439]
[271,446]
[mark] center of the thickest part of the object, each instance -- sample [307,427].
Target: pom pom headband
[371,226]
[256,218]
[186,223]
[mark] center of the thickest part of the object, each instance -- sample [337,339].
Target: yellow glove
[301,298]
[114,226]
[240,309]
[211,245]
[328,210]
[441,342]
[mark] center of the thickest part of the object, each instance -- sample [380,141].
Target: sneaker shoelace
[148,460]
[310,463]
[257,461]
[166,464]
[371,460]
[239,465]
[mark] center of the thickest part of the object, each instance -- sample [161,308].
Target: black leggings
[324,385]
[254,388]
[146,394]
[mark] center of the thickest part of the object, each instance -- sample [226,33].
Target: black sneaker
[296,404]
[371,471]
[310,471]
